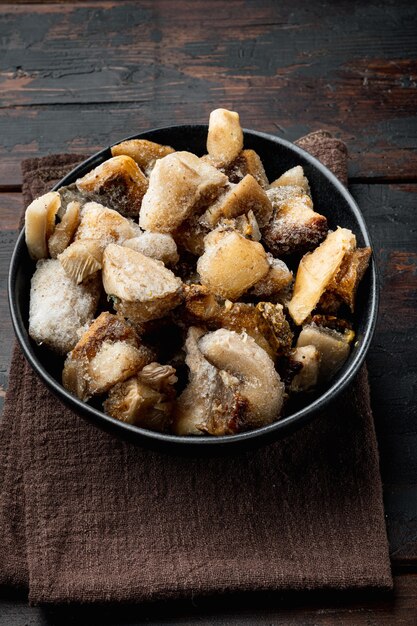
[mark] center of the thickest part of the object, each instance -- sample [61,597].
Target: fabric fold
[90,518]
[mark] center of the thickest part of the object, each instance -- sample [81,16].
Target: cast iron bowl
[330,198]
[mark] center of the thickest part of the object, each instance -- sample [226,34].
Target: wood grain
[77,76]
[10,208]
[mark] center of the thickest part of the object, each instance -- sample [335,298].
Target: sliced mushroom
[332,345]
[109,352]
[276,283]
[295,227]
[65,230]
[104,225]
[179,185]
[210,403]
[294,176]
[119,182]
[146,399]
[247,195]
[246,225]
[225,135]
[144,152]
[142,288]
[190,235]
[158,246]
[81,259]
[40,223]
[260,384]
[59,307]
[316,270]
[247,162]
[265,322]
[343,287]
[232,264]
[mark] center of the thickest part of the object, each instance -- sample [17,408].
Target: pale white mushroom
[104,225]
[82,259]
[243,358]
[159,246]
[40,223]
[294,176]
[309,358]
[143,151]
[179,184]
[210,403]
[58,306]
[225,135]
[142,288]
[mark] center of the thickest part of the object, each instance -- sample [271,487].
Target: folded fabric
[86,517]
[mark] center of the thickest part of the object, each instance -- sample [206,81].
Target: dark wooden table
[76,76]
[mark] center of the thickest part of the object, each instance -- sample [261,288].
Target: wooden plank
[320,609]
[11,206]
[87,129]
[77,76]
[390,214]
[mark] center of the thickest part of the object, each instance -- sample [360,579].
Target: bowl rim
[288,423]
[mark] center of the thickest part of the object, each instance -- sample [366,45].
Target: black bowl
[330,198]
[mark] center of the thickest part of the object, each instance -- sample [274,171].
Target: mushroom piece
[59,307]
[259,383]
[210,403]
[265,322]
[142,288]
[119,182]
[276,283]
[231,264]
[104,225]
[247,195]
[65,230]
[109,352]
[190,235]
[158,246]
[245,224]
[307,377]
[40,223]
[342,289]
[316,270]
[225,135]
[81,259]
[144,152]
[247,162]
[294,176]
[332,345]
[179,185]
[145,399]
[295,227]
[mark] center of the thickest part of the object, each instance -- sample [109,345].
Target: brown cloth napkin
[85,517]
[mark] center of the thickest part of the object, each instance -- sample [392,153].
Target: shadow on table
[252,608]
